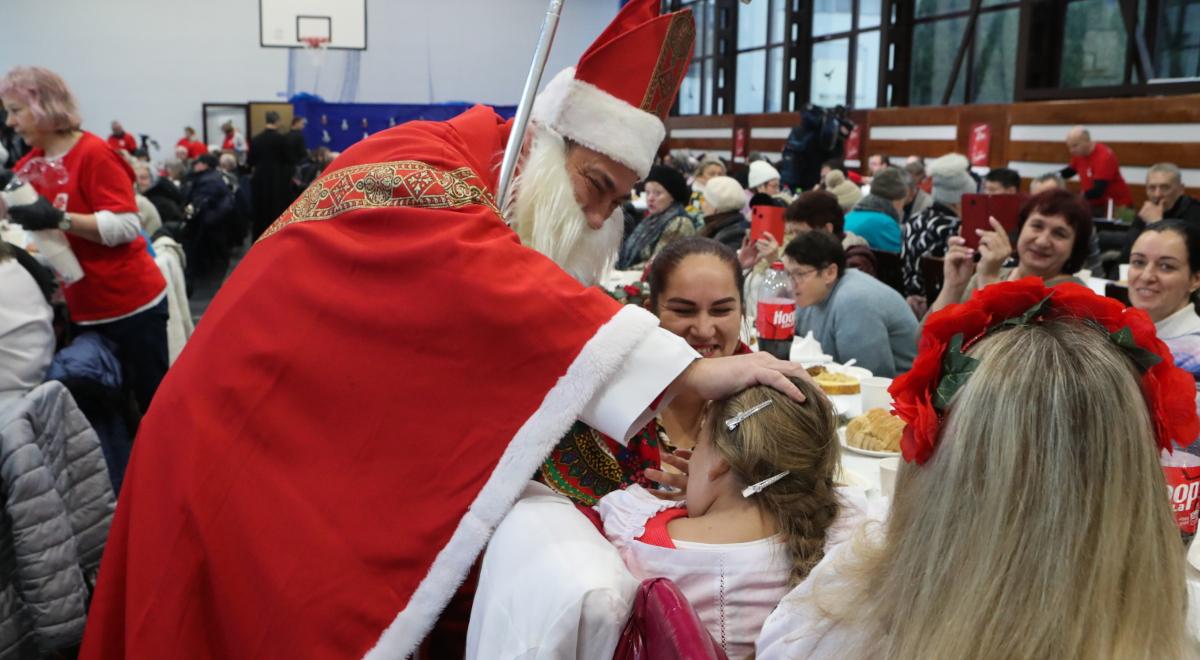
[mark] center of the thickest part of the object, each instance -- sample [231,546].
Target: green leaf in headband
[956,369]
[1143,358]
[1029,315]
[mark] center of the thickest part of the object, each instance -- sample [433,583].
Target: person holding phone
[1053,236]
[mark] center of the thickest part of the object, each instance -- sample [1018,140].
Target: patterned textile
[587,465]
[654,233]
[926,235]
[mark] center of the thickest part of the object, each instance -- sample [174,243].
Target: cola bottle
[776,320]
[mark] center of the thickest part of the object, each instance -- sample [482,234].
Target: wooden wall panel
[1145,110]
[702,144]
[1144,154]
[905,148]
[924,116]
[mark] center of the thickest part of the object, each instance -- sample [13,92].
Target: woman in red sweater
[122,295]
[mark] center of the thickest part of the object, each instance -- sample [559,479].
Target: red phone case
[977,208]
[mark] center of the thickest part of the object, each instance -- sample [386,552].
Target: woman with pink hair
[122,295]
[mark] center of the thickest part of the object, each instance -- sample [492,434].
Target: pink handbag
[663,626]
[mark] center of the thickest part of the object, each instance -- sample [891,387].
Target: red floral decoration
[922,395]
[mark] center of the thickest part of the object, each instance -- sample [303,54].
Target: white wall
[151,63]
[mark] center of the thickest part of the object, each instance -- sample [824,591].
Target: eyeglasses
[800,276]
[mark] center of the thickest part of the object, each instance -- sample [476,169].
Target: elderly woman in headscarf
[666,220]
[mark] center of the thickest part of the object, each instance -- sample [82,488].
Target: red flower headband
[923,394]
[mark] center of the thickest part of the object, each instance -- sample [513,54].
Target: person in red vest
[195,148]
[388,367]
[122,294]
[119,140]
[1099,172]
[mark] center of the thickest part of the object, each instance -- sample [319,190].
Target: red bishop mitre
[616,99]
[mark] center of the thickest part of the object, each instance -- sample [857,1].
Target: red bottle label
[776,320]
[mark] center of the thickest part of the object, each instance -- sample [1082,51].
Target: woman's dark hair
[1190,234]
[816,208]
[669,258]
[817,249]
[1057,201]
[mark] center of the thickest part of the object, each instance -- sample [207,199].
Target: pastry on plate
[875,430]
[837,383]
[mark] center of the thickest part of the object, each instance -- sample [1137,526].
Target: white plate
[858,372]
[865,452]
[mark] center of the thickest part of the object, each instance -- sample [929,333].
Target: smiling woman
[695,290]
[1164,275]
[1052,243]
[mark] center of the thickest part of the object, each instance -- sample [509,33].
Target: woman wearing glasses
[852,314]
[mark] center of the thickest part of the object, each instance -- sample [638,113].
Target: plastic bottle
[776,318]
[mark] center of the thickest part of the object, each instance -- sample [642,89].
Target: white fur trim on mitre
[586,114]
[598,362]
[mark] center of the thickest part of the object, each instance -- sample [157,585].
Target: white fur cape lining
[599,361]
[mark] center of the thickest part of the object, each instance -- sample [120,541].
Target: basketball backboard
[287,23]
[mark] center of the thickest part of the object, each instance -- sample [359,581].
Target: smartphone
[977,208]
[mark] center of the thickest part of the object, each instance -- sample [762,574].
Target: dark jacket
[1185,208]
[167,198]
[728,228]
[210,197]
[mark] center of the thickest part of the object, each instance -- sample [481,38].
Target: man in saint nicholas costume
[386,369]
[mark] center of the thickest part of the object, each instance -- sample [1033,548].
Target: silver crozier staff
[521,122]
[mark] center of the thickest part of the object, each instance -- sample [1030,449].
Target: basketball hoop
[315,42]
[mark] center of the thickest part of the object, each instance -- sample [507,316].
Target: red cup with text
[1182,471]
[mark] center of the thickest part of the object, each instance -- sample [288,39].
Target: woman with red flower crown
[1030,519]
[1053,236]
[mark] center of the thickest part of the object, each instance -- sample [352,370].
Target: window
[845,53]
[761,39]
[696,90]
[1177,43]
[1093,44]
[987,73]
[993,71]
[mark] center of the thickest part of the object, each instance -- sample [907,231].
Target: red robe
[384,349]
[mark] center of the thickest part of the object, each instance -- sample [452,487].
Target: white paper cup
[887,475]
[875,393]
[1123,272]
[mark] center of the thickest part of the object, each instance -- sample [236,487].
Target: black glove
[38,215]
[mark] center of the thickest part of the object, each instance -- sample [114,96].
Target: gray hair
[915,170]
[1051,176]
[1166,168]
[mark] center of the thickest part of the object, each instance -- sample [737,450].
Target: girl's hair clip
[733,422]
[758,487]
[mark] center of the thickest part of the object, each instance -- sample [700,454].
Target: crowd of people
[118,211]
[410,363]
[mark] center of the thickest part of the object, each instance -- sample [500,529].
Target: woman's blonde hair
[797,437]
[1040,528]
[46,96]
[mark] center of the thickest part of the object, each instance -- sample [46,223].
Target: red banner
[852,144]
[739,143]
[979,144]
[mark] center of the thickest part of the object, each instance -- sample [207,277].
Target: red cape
[385,349]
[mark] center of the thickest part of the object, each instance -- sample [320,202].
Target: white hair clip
[758,487]
[732,422]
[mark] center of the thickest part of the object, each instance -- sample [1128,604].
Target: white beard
[547,217]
